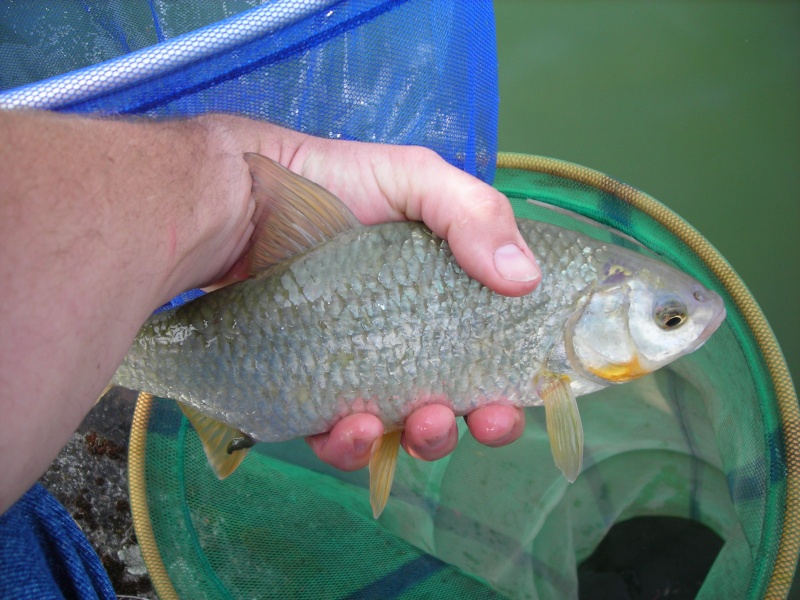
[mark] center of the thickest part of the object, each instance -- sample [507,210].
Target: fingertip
[506,266]
[430,432]
[497,424]
[476,219]
[514,265]
[348,445]
[487,244]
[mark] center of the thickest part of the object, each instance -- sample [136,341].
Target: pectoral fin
[224,445]
[381,469]
[564,426]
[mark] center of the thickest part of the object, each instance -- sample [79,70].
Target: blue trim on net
[180,300]
[405,577]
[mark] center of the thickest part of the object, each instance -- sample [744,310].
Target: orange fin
[300,214]
[225,446]
[564,427]
[381,469]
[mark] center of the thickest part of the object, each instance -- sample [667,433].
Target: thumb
[475,219]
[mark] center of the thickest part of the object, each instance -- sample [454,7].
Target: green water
[695,103]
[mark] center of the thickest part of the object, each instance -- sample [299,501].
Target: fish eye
[670,314]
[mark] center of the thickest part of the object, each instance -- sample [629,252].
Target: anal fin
[382,463]
[225,446]
[564,427]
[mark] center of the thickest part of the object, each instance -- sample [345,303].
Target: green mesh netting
[714,438]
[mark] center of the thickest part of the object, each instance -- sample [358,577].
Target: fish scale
[381,313]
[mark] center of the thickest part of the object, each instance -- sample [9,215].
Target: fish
[339,318]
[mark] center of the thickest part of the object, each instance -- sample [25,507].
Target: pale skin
[102,221]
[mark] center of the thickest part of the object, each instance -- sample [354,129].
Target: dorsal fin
[589,221]
[300,214]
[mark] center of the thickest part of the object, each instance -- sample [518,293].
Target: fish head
[641,315]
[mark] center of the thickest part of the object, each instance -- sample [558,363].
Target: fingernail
[512,264]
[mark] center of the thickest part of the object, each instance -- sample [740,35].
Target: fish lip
[714,323]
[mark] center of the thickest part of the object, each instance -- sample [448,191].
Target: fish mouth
[719,313]
[716,321]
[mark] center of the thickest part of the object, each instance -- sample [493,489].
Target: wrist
[218,231]
[211,214]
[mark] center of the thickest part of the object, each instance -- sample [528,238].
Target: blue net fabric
[402,71]
[406,72]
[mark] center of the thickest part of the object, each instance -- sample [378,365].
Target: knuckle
[421,154]
[483,207]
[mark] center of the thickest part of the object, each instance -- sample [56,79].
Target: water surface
[695,103]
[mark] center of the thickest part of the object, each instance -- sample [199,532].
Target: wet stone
[90,478]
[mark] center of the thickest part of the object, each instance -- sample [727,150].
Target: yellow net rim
[137,485]
[780,579]
[789,546]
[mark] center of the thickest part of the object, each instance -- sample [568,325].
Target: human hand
[381,183]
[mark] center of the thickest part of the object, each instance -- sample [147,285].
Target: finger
[347,446]
[383,183]
[473,217]
[430,432]
[496,424]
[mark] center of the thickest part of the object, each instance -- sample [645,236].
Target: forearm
[100,223]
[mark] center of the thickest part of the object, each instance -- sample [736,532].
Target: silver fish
[341,318]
